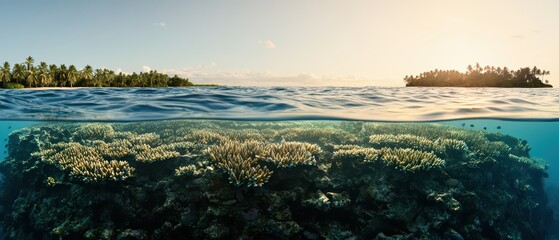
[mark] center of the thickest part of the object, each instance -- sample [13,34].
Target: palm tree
[478,68]
[44,75]
[87,74]
[110,76]
[53,69]
[62,75]
[5,73]
[18,72]
[31,77]
[98,78]
[72,75]
[152,73]
[29,61]
[544,72]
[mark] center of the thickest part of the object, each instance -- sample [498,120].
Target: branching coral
[452,145]
[181,147]
[359,190]
[410,160]
[242,134]
[405,141]
[289,154]
[119,148]
[356,154]
[189,170]
[94,131]
[145,153]
[346,147]
[87,165]
[316,135]
[537,164]
[481,143]
[429,131]
[238,160]
[492,149]
[205,136]
[101,171]
[151,139]
[405,159]
[195,169]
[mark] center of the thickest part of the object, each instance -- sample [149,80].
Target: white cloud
[267,44]
[160,24]
[119,70]
[205,74]
[146,68]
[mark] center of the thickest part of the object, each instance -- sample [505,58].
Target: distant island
[477,76]
[27,75]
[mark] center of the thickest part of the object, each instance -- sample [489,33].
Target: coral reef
[290,154]
[86,163]
[405,141]
[269,180]
[410,160]
[238,160]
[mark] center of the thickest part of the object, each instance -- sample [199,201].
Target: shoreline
[75,88]
[52,88]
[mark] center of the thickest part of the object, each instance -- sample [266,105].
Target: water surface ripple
[260,103]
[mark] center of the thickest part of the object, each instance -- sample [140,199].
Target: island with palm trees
[477,76]
[28,75]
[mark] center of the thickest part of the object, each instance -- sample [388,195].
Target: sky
[288,42]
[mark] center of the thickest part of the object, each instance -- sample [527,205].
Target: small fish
[463,124]
[5,139]
[471,125]
[498,127]
[189,155]
[484,128]
[9,127]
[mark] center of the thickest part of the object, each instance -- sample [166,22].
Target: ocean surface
[531,114]
[527,114]
[280,103]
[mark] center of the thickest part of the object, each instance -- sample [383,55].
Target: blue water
[6,127]
[529,114]
[369,103]
[541,136]
[533,112]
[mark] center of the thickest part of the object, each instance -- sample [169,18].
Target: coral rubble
[269,180]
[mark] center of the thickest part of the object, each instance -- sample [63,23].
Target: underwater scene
[312,179]
[288,120]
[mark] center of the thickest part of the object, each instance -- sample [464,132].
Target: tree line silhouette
[478,76]
[26,74]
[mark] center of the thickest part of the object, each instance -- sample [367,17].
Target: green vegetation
[11,85]
[27,75]
[477,76]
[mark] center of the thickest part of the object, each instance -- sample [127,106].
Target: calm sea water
[529,114]
[369,103]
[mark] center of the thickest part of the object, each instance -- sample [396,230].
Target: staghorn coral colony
[269,180]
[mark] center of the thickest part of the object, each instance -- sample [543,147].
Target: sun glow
[459,51]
